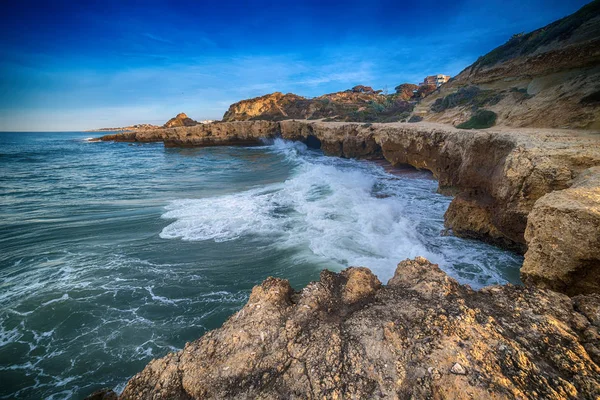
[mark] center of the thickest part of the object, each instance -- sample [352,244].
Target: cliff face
[361,103]
[275,106]
[547,78]
[497,176]
[564,226]
[421,336]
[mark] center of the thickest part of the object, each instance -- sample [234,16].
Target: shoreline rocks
[421,336]
[563,233]
[497,176]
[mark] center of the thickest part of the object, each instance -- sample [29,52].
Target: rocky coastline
[497,177]
[517,185]
[422,335]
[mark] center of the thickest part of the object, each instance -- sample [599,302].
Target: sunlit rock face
[421,336]
[180,120]
[546,78]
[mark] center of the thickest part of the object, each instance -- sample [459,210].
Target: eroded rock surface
[180,119]
[422,336]
[563,233]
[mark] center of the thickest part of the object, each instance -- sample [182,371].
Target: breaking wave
[342,213]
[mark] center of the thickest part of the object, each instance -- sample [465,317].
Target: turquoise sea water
[112,254]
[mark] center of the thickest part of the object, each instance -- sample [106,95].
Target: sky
[77,65]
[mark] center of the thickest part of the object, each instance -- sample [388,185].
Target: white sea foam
[160,299]
[341,212]
[62,298]
[9,336]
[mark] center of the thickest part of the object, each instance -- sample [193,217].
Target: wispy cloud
[156,38]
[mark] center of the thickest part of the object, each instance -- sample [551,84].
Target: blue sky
[90,64]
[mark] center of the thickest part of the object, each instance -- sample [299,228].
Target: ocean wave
[342,212]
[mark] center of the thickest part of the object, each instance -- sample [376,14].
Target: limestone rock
[563,232]
[421,336]
[180,120]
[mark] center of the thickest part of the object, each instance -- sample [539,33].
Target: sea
[112,254]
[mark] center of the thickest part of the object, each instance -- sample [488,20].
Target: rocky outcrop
[242,133]
[546,78]
[273,107]
[180,119]
[245,133]
[563,234]
[497,177]
[361,104]
[421,336]
[406,91]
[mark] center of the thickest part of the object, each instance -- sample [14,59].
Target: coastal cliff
[421,336]
[497,176]
[359,104]
[545,78]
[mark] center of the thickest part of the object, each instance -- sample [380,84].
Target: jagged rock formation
[406,90]
[180,119]
[361,103]
[497,176]
[422,336]
[270,107]
[547,78]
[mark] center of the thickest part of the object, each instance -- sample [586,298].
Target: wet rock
[103,394]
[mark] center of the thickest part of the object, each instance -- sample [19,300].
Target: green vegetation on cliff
[481,120]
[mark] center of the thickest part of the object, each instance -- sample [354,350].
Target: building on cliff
[437,80]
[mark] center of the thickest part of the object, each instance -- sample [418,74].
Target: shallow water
[112,254]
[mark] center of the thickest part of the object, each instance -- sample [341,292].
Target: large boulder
[563,237]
